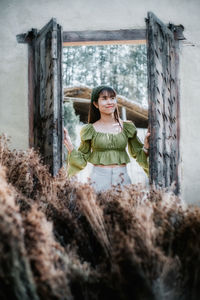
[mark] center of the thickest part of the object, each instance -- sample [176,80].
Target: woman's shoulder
[86,132]
[129,128]
[129,123]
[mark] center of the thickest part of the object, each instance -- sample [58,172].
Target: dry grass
[59,240]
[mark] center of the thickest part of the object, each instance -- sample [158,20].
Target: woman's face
[106,103]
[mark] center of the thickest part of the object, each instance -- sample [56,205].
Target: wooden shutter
[163,98]
[46,92]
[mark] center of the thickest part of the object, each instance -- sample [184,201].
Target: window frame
[99,37]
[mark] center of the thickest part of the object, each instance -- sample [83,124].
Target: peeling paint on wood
[163,89]
[48,95]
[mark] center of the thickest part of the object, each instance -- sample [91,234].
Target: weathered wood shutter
[163,96]
[46,93]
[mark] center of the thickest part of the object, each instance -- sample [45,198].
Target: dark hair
[94,113]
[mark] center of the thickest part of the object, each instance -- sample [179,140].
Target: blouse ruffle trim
[87,131]
[129,129]
[108,157]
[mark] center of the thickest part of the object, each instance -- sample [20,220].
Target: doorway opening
[45,97]
[121,64]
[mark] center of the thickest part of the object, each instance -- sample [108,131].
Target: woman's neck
[109,119]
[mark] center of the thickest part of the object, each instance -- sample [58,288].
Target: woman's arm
[67,141]
[77,159]
[137,151]
[146,143]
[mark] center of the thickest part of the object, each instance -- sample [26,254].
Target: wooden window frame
[105,37]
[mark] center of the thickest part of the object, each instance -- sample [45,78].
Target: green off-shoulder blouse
[107,148]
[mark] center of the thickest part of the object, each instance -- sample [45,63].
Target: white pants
[103,178]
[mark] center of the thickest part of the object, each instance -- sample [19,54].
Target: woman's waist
[109,158]
[110,165]
[104,149]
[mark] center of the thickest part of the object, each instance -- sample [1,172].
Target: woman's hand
[67,141]
[146,140]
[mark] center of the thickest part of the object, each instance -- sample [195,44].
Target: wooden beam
[28,37]
[104,35]
[83,94]
[177,30]
[80,96]
[95,43]
[76,100]
[133,106]
[31,87]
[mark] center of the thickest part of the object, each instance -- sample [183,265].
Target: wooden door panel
[163,95]
[48,100]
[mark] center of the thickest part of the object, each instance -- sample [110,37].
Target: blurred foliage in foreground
[60,240]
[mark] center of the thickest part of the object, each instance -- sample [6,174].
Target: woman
[103,143]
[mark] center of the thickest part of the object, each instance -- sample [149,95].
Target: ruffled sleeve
[77,159]
[135,146]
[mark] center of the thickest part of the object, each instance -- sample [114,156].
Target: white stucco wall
[18,16]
